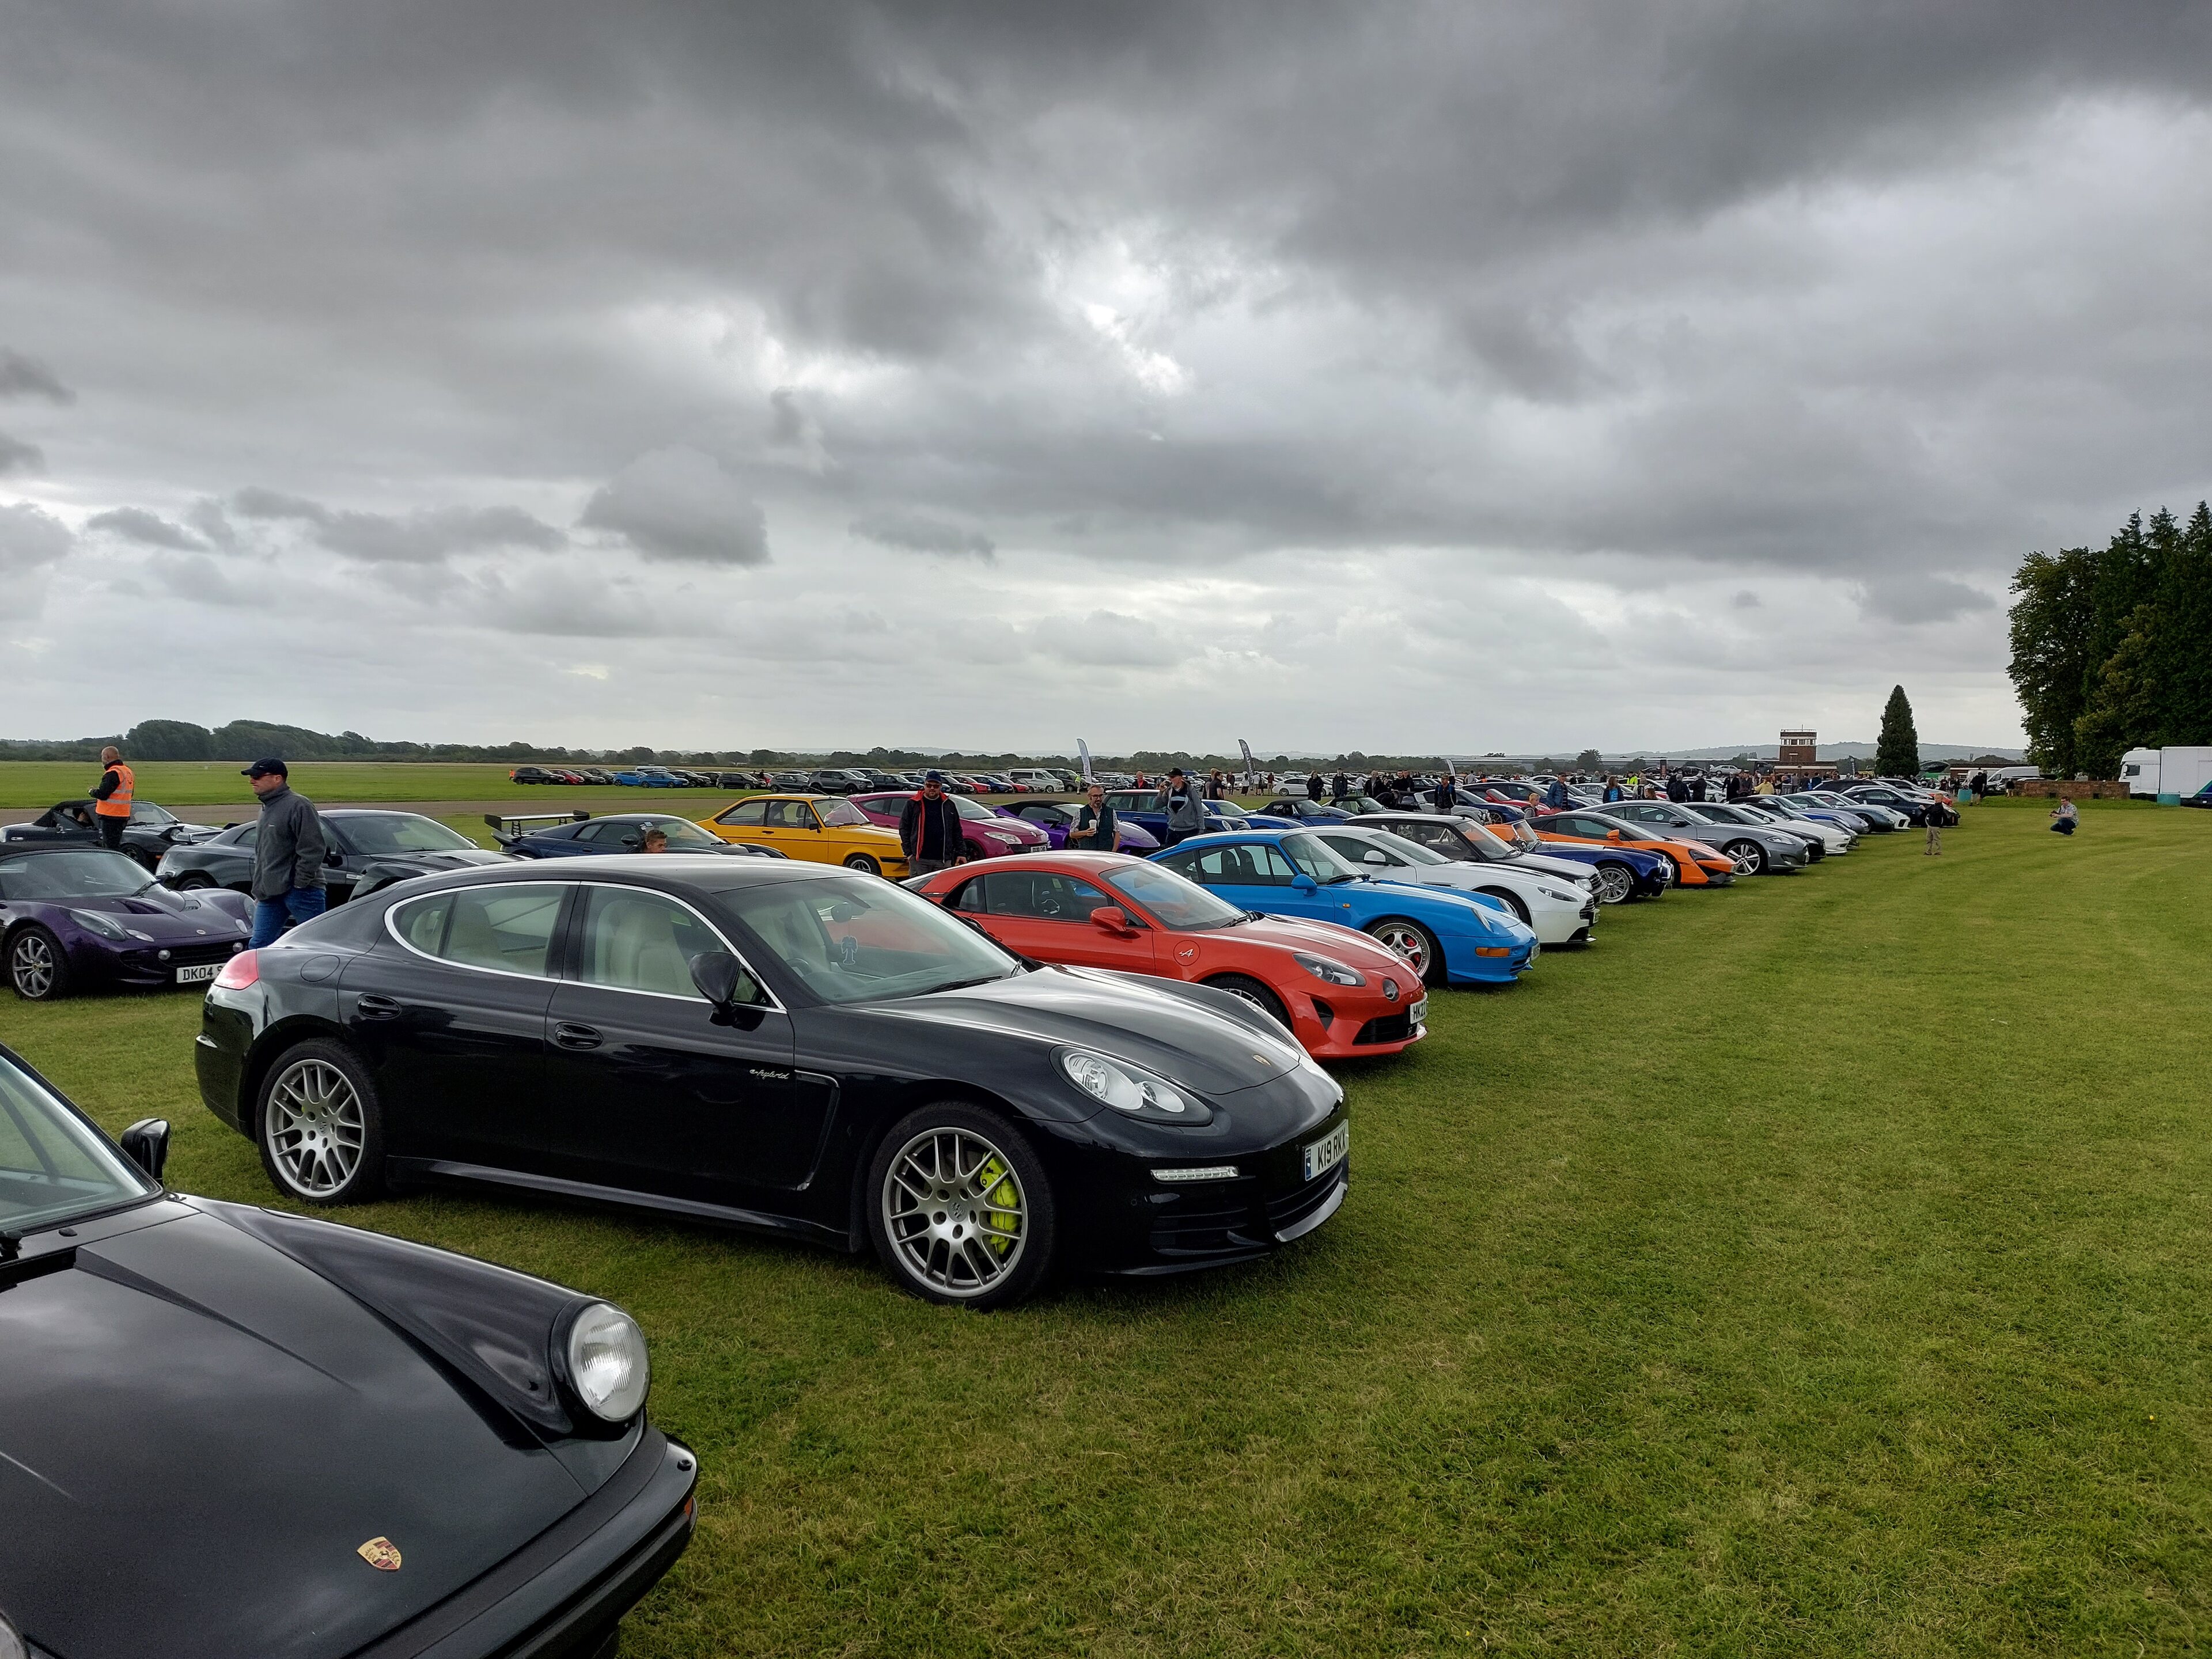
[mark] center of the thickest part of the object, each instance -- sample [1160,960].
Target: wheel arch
[270,1046]
[895,1103]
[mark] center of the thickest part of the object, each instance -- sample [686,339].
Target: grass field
[179,783]
[1818,1266]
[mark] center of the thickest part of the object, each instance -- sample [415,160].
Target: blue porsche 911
[1447,937]
[73,918]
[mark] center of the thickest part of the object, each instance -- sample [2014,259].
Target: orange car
[1695,866]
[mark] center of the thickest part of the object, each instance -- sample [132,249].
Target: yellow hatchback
[819,828]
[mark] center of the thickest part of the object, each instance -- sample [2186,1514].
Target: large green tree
[1897,750]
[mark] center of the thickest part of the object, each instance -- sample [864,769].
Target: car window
[639,941]
[1354,849]
[507,928]
[1042,896]
[605,832]
[92,873]
[860,939]
[1244,864]
[842,815]
[746,813]
[422,924]
[246,836]
[145,811]
[970,897]
[379,834]
[52,1163]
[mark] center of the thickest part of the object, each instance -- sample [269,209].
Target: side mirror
[1112,919]
[630,843]
[716,974]
[1613,834]
[146,1143]
[1373,855]
[1304,883]
[334,859]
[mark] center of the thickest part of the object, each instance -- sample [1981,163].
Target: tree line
[2111,647]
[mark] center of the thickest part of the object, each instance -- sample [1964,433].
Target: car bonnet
[199,1435]
[160,914]
[1123,1016]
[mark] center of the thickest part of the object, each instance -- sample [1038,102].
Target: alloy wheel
[31,965]
[1615,883]
[955,1212]
[315,1127]
[863,864]
[1745,857]
[1407,940]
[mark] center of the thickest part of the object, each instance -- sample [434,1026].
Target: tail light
[241,971]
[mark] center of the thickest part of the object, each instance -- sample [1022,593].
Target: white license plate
[1418,1014]
[197,975]
[1329,1152]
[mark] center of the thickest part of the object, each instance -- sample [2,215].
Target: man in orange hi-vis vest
[111,799]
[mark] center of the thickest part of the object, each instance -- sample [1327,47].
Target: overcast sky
[1407,378]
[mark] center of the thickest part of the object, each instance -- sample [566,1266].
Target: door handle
[567,1035]
[375,1007]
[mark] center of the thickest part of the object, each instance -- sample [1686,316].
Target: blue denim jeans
[270,915]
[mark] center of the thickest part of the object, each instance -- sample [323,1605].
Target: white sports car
[1562,910]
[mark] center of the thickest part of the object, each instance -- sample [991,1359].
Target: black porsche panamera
[227,1431]
[786,1047]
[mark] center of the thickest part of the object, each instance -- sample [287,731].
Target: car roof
[13,848]
[709,872]
[790,794]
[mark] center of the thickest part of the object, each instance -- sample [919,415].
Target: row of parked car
[826,781]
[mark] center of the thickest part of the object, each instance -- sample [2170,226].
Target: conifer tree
[1897,750]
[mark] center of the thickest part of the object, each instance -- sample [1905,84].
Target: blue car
[1142,808]
[1459,938]
[76,918]
[578,834]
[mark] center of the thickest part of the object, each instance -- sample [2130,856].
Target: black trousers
[111,831]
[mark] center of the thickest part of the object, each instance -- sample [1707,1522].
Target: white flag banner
[1083,753]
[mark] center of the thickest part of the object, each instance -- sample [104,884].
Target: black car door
[449,1011]
[647,1091]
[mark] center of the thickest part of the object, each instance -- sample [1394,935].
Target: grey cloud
[206,517]
[920,534]
[136,524]
[32,541]
[200,581]
[679,504]
[16,456]
[1912,599]
[1745,599]
[1104,639]
[420,537]
[26,377]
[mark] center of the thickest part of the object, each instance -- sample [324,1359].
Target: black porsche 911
[369,850]
[788,1047]
[227,1431]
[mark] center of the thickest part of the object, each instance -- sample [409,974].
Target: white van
[2139,767]
[2185,774]
[1036,777]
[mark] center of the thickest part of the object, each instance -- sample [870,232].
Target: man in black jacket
[929,829]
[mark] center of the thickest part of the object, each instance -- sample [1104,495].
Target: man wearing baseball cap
[1185,809]
[929,829]
[288,854]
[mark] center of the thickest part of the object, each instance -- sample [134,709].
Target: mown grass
[179,784]
[1815,1268]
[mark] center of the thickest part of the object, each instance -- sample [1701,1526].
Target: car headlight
[1131,1089]
[1563,898]
[94,921]
[607,1365]
[1334,973]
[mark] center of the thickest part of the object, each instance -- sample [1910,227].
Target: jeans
[2063,826]
[271,915]
[921,866]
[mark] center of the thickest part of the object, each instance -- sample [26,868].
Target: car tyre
[863,864]
[321,1126]
[1748,856]
[38,966]
[1415,943]
[1616,884]
[960,1208]
[192,881]
[1513,902]
[1247,989]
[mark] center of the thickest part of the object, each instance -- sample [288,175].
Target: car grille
[1285,1212]
[183,956]
[1390,1028]
[1197,1225]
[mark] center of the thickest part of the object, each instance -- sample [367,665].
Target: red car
[1341,994]
[987,835]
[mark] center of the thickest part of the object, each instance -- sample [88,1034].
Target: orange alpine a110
[1340,993]
[1695,864]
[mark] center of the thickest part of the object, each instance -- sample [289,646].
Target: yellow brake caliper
[1002,1220]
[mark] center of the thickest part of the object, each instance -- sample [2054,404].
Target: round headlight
[607,1366]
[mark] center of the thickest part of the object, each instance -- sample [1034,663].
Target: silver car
[1755,849]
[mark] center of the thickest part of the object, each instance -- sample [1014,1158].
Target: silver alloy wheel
[954,1212]
[1745,857]
[314,1128]
[32,964]
[863,864]
[1407,940]
[1615,883]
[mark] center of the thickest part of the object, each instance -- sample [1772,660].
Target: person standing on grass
[288,855]
[2065,818]
[1186,812]
[929,829]
[1934,847]
[1313,786]
[1095,828]
[111,797]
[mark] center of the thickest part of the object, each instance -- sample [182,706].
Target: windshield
[1487,842]
[1408,852]
[681,832]
[71,875]
[145,811]
[1176,902]
[1314,858]
[379,834]
[54,1164]
[971,809]
[858,938]
[840,814]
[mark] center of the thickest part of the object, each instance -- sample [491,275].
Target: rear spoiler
[508,831]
